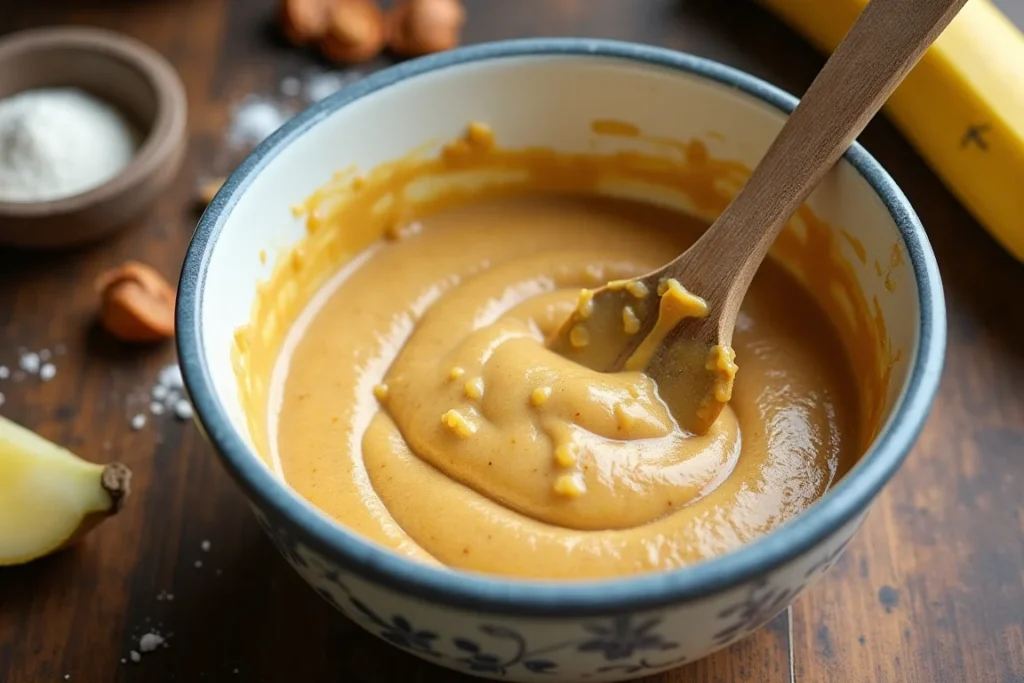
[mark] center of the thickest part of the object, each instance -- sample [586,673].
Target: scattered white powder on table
[168,394]
[135,656]
[205,545]
[170,377]
[291,87]
[183,409]
[29,362]
[138,422]
[256,116]
[59,142]
[254,119]
[320,85]
[150,642]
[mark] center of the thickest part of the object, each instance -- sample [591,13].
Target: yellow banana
[50,497]
[962,106]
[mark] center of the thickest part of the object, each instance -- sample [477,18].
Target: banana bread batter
[418,405]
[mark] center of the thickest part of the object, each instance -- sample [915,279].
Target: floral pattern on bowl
[613,648]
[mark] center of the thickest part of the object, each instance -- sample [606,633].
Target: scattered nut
[208,190]
[355,32]
[133,271]
[136,303]
[579,336]
[570,485]
[304,22]
[420,27]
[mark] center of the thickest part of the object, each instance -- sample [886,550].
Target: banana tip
[116,482]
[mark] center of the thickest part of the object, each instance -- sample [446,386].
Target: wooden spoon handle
[882,46]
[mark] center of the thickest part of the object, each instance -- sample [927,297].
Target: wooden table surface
[931,590]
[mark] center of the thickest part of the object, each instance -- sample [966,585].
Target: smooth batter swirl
[422,410]
[600,451]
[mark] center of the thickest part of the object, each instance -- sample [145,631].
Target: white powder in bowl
[59,142]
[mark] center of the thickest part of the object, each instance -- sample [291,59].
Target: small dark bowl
[128,75]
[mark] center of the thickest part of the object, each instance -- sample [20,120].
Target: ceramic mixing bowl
[545,93]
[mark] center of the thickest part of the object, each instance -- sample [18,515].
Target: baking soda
[321,85]
[254,119]
[29,362]
[59,142]
[150,642]
[291,87]
[183,410]
[168,394]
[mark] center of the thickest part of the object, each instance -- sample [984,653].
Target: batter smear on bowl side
[409,394]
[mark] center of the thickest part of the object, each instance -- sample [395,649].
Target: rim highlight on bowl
[842,503]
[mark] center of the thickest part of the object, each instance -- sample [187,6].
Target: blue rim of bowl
[517,597]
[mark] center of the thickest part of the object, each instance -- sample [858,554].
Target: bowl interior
[546,100]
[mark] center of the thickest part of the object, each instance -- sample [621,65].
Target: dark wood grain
[931,591]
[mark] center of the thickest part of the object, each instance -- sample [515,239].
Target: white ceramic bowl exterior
[546,93]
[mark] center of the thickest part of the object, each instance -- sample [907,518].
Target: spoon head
[661,330]
[694,378]
[607,325]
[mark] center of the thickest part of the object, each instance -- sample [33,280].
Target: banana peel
[49,497]
[961,107]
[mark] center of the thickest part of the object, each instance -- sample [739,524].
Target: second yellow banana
[962,107]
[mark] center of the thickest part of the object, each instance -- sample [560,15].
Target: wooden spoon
[683,341]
